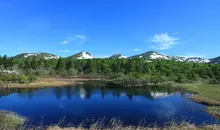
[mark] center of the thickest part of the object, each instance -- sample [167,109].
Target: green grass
[210,91]
[207,94]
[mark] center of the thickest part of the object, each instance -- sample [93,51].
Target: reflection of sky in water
[84,102]
[82,93]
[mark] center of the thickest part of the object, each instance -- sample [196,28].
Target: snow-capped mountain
[152,55]
[178,58]
[215,60]
[197,60]
[118,56]
[82,55]
[42,55]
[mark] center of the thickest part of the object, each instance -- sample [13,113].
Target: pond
[93,101]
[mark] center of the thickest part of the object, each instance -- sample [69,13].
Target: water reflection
[93,101]
[86,92]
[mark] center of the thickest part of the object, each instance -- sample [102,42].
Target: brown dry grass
[52,82]
[115,124]
[182,127]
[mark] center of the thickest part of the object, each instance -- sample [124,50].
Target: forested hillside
[160,70]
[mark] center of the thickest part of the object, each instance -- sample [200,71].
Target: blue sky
[106,27]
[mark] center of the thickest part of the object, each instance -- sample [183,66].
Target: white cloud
[137,50]
[78,38]
[65,51]
[65,42]
[188,55]
[163,41]
[81,38]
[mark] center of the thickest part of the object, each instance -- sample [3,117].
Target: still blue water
[78,103]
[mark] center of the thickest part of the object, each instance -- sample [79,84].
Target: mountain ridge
[82,55]
[215,60]
[118,56]
[38,55]
[151,55]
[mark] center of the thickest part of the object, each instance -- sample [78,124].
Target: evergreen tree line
[138,68]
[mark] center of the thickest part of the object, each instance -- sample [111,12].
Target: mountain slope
[215,60]
[118,56]
[42,55]
[82,55]
[197,60]
[152,55]
[178,58]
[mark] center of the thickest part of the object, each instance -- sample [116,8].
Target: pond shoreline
[205,94]
[54,82]
[204,97]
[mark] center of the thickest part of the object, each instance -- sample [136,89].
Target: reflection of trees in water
[85,91]
[58,93]
[130,96]
[88,92]
[30,95]
[22,92]
[78,91]
[68,92]
[103,93]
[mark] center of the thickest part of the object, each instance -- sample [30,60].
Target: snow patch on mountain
[122,56]
[152,55]
[197,60]
[155,55]
[118,56]
[177,58]
[30,54]
[85,55]
[49,57]
[45,56]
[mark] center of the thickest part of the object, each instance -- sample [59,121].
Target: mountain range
[41,55]
[151,55]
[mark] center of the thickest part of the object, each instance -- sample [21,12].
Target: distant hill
[152,55]
[215,60]
[42,55]
[82,55]
[118,56]
[197,60]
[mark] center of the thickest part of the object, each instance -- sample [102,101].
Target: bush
[23,79]
[128,81]
[214,81]
[17,78]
